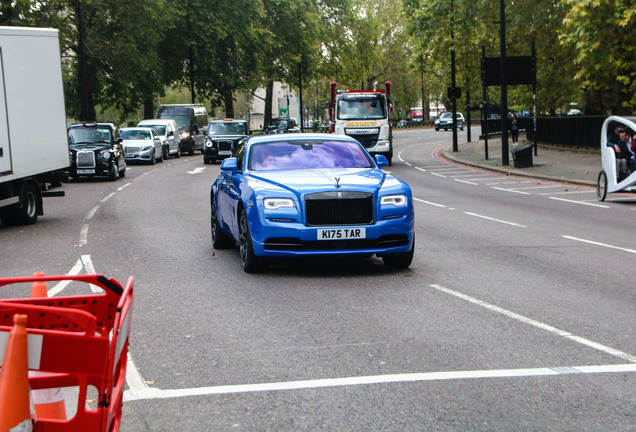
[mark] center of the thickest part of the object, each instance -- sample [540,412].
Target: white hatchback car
[168,132]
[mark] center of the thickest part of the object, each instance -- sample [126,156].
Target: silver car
[168,132]
[446,121]
[141,144]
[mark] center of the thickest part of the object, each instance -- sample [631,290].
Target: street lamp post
[504,91]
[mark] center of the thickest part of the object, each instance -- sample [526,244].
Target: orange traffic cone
[49,403]
[15,405]
[38,288]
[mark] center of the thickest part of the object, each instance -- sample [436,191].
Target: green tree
[601,34]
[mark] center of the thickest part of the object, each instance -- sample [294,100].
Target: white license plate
[225,153]
[342,233]
[86,171]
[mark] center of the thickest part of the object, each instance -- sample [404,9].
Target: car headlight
[276,203]
[105,154]
[209,143]
[396,200]
[146,148]
[184,134]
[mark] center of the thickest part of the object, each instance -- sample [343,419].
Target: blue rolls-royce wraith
[288,195]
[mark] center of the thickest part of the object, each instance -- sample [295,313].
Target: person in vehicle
[625,145]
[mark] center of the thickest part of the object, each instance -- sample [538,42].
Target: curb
[515,172]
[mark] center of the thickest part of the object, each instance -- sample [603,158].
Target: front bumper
[289,239]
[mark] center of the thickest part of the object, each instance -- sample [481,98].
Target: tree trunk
[269,95]
[149,107]
[228,99]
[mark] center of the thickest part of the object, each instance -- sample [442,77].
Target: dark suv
[282,125]
[96,150]
[222,138]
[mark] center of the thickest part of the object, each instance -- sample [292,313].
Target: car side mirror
[119,141]
[381,160]
[171,133]
[229,164]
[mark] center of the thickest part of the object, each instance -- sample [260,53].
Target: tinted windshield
[309,154]
[447,115]
[366,108]
[227,128]
[160,129]
[135,134]
[181,115]
[89,135]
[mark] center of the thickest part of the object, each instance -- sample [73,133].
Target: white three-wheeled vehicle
[616,174]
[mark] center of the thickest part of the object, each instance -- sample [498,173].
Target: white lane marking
[509,182]
[197,170]
[540,325]
[537,187]
[124,186]
[495,220]
[421,169]
[438,175]
[107,197]
[599,244]
[134,379]
[91,213]
[465,181]
[59,287]
[512,190]
[83,235]
[578,202]
[428,202]
[568,192]
[155,393]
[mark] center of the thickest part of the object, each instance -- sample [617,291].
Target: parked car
[282,125]
[191,119]
[168,132]
[222,138]
[96,150]
[445,121]
[142,144]
[310,194]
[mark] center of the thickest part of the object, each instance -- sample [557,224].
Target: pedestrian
[514,128]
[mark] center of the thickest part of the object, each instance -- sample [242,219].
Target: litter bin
[522,156]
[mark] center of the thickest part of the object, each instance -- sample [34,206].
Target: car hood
[136,143]
[90,147]
[225,137]
[306,181]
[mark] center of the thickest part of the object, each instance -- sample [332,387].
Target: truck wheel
[31,203]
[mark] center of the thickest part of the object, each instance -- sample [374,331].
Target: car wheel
[178,152]
[112,172]
[166,152]
[160,157]
[191,152]
[436,129]
[28,214]
[251,263]
[122,173]
[601,186]
[400,260]
[219,239]
[153,160]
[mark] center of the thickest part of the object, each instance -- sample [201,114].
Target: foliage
[601,34]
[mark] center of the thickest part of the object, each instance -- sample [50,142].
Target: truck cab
[364,115]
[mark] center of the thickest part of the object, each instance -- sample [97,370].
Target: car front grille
[339,208]
[86,159]
[225,145]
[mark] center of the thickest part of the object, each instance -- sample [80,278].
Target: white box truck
[34,151]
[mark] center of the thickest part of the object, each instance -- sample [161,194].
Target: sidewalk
[550,163]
